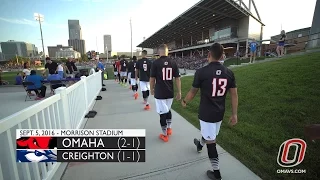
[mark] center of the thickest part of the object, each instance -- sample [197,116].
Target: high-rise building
[74,29]
[78,45]
[107,44]
[314,38]
[52,50]
[75,36]
[12,48]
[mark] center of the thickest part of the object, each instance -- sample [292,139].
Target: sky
[100,17]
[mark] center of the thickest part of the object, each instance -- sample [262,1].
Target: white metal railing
[64,110]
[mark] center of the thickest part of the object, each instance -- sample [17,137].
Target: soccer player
[143,68]
[253,50]
[118,69]
[161,83]
[123,71]
[213,80]
[132,75]
[115,71]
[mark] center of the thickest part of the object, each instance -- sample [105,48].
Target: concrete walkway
[174,160]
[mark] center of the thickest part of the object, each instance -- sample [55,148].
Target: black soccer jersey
[115,67]
[144,67]
[124,65]
[214,80]
[164,70]
[132,68]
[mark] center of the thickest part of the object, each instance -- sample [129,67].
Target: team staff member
[163,71]
[124,71]
[213,80]
[143,68]
[100,67]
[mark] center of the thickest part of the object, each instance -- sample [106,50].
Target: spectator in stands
[26,70]
[37,81]
[18,79]
[51,66]
[71,67]
[60,69]
[280,47]
[56,77]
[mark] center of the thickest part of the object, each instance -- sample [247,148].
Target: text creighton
[88,155]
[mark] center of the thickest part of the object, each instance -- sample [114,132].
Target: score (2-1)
[128,142]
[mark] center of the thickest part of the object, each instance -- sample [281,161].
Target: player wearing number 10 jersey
[213,80]
[163,71]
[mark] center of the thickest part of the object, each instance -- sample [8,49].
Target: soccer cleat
[130,87]
[164,138]
[169,131]
[136,95]
[211,175]
[147,107]
[198,145]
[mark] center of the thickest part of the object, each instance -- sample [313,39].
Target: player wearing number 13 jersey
[163,71]
[213,80]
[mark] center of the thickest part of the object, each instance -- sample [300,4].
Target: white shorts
[123,74]
[144,86]
[209,131]
[115,73]
[129,75]
[133,81]
[163,105]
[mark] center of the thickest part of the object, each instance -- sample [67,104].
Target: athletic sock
[126,80]
[169,121]
[214,159]
[202,141]
[163,123]
[164,130]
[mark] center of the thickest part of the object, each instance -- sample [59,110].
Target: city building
[231,23]
[53,49]
[74,29]
[78,45]
[12,48]
[1,57]
[67,53]
[107,44]
[314,38]
[75,36]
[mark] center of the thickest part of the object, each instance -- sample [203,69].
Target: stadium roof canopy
[198,18]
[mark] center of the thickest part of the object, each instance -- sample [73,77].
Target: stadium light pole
[40,18]
[131,37]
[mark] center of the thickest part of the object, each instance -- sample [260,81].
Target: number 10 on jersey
[167,74]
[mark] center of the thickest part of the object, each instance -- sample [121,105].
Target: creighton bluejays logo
[33,155]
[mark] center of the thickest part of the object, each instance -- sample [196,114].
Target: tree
[84,57]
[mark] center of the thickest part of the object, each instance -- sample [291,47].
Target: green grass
[235,61]
[276,100]
[10,76]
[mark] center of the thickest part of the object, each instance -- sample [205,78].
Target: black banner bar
[101,142]
[101,156]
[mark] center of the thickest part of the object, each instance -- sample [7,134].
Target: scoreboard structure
[80,145]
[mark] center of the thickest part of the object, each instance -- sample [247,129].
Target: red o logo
[300,151]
